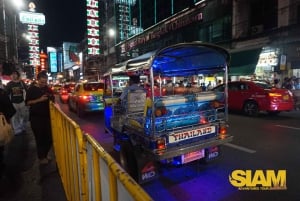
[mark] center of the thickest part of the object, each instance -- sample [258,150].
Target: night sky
[65,21]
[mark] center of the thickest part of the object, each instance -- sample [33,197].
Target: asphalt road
[260,144]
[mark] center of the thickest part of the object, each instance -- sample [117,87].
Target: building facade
[8,34]
[262,35]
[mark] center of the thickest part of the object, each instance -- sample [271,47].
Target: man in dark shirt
[38,97]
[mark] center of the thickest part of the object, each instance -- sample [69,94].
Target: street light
[18,4]
[111,34]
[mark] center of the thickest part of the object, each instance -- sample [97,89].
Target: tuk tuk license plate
[192,156]
[185,135]
[285,97]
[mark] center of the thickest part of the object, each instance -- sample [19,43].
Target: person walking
[16,90]
[8,110]
[37,98]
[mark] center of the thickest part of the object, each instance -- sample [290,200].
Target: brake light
[203,120]
[275,94]
[161,144]
[85,98]
[223,131]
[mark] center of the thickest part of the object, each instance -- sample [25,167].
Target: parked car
[251,97]
[86,97]
[64,92]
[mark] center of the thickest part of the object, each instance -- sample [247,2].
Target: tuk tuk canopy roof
[182,60]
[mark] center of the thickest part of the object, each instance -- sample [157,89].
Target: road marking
[295,128]
[250,151]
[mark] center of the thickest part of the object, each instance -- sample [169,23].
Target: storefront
[243,63]
[268,65]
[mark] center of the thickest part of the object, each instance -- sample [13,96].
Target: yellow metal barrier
[87,171]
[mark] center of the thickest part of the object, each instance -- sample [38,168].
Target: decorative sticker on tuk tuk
[177,137]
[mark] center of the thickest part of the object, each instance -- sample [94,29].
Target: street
[261,143]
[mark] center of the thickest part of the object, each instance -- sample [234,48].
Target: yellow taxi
[86,97]
[56,88]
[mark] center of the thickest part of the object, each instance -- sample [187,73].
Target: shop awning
[244,62]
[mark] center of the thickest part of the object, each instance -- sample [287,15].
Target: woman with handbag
[7,109]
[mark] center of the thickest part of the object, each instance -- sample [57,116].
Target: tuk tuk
[174,120]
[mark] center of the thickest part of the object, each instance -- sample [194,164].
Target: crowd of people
[291,83]
[27,107]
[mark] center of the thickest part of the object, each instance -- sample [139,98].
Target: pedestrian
[276,83]
[38,97]
[16,90]
[1,85]
[297,83]
[8,110]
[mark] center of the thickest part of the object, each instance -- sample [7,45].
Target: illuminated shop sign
[93,40]
[268,59]
[53,62]
[163,28]
[32,18]
[123,21]
[34,50]
[70,55]
[126,2]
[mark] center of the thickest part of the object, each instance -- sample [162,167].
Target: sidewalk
[24,179]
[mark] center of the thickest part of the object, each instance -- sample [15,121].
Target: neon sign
[93,40]
[32,18]
[34,50]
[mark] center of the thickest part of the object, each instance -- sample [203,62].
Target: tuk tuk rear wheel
[128,160]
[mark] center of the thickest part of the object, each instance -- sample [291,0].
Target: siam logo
[258,179]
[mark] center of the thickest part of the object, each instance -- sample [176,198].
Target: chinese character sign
[34,51]
[93,27]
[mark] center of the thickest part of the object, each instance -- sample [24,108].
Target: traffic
[189,126]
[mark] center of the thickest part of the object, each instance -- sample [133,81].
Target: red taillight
[161,144]
[203,120]
[85,98]
[223,131]
[271,94]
